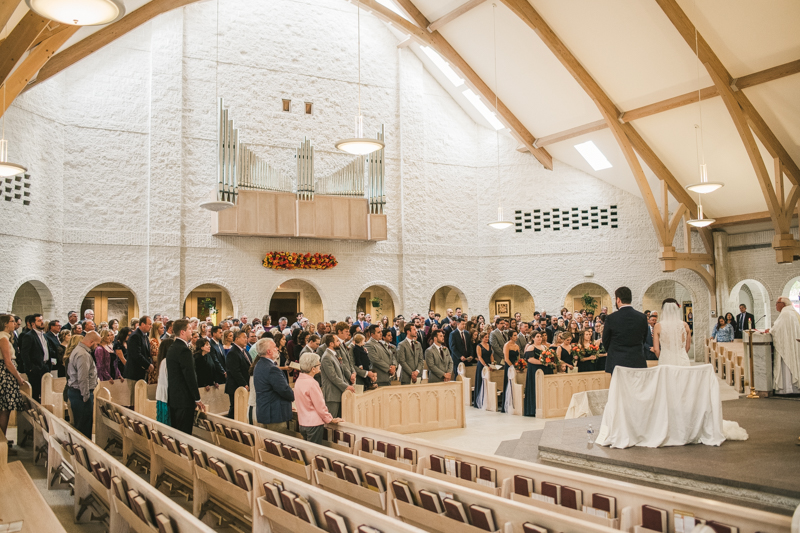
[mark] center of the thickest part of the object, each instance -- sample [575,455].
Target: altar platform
[762,472]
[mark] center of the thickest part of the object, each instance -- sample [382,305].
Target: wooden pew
[215,400]
[21,501]
[212,495]
[554,391]
[53,394]
[508,514]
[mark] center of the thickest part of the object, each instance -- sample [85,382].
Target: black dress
[361,359]
[479,372]
[586,366]
[530,381]
[114,360]
[513,355]
[204,372]
[567,355]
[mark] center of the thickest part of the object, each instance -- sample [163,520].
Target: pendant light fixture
[219,204]
[7,169]
[359,145]
[79,12]
[501,222]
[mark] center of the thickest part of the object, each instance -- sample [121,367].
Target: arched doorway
[33,297]
[111,300]
[586,295]
[448,297]
[295,296]
[378,302]
[792,291]
[509,300]
[754,295]
[208,300]
[667,288]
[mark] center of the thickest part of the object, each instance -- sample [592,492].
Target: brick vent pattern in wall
[557,219]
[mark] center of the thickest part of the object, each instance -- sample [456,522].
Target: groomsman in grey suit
[497,340]
[522,338]
[440,365]
[379,356]
[333,381]
[409,356]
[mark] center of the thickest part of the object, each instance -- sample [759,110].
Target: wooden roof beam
[436,41]
[454,14]
[19,40]
[7,8]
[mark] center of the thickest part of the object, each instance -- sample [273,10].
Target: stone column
[721,270]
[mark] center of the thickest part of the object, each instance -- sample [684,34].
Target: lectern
[762,361]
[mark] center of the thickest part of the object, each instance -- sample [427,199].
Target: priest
[785,332]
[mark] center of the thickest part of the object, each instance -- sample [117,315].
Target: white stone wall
[121,147]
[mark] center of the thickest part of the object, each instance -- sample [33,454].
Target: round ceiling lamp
[704,186]
[7,169]
[216,205]
[359,145]
[79,12]
[500,223]
[700,221]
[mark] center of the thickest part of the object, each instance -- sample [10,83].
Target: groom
[624,334]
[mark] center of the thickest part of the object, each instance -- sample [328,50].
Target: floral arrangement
[521,365]
[582,353]
[292,261]
[549,359]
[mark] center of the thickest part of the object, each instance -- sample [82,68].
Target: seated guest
[183,395]
[162,396]
[723,332]
[81,382]
[102,357]
[438,359]
[238,365]
[334,382]
[274,396]
[312,413]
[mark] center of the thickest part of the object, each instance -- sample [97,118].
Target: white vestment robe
[786,367]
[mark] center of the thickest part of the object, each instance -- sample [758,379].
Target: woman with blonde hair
[102,358]
[155,341]
[74,341]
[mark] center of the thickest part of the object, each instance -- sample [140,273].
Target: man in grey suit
[379,356]
[333,381]
[522,338]
[497,340]
[409,356]
[312,344]
[440,365]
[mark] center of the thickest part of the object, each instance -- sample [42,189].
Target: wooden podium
[762,361]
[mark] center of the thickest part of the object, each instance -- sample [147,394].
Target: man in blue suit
[649,352]
[274,396]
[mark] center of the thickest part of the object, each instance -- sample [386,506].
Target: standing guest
[589,363]
[379,356]
[649,350]
[361,361]
[266,321]
[460,346]
[497,340]
[64,337]
[438,359]
[431,335]
[121,348]
[597,335]
[72,319]
[162,396]
[389,345]
[312,413]
[217,354]
[138,361]
[333,376]
[483,354]
[510,357]
[10,397]
[252,402]
[168,330]
[81,382]
[533,355]
[88,316]
[624,333]
[74,340]
[522,338]
[202,369]
[732,321]
[723,332]
[113,325]
[134,323]
[35,354]
[574,331]
[350,370]
[155,340]
[410,355]
[77,329]
[227,342]
[183,396]
[312,343]
[102,357]
[744,320]
[88,325]
[564,351]
[274,396]
[238,365]
[280,345]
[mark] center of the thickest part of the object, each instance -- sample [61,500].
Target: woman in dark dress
[589,364]
[533,352]
[564,351]
[483,355]
[574,330]
[204,372]
[732,321]
[120,350]
[510,356]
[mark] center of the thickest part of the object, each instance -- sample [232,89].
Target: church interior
[452,233]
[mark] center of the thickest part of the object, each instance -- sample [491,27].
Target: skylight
[394,7]
[475,100]
[443,65]
[592,154]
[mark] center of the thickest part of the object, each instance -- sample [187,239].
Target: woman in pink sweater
[312,414]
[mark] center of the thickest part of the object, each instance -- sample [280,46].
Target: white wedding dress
[672,337]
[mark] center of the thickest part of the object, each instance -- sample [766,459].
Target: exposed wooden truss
[22,37]
[631,143]
[751,80]
[454,14]
[7,8]
[781,203]
[418,30]
[748,218]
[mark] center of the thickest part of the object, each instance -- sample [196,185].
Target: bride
[671,336]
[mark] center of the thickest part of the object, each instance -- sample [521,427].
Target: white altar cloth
[662,406]
[587,403]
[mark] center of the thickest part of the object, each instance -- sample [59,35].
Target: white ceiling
[638,58]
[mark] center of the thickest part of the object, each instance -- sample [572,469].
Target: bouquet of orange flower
[521,365]
[584,352]
[292,261]
[549,359]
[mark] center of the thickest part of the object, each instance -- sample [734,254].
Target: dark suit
[459,347]
[138,358]
[624,334]
[274,396]
[33,360]
[648,343]
[216,358]
[182,386]
[238,373]
[742,322]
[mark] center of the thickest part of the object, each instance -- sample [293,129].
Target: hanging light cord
[699,95]
[496,85]
[358,18]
